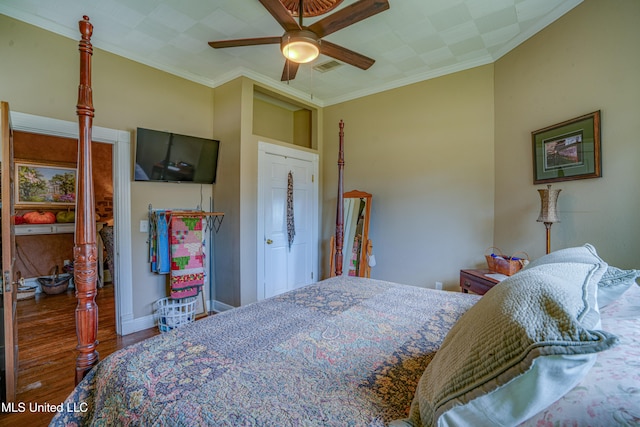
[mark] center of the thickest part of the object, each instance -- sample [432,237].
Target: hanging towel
[187,257]
[159,242]
[291,227]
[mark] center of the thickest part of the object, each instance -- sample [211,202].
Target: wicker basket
[56,284]
[174,313]
[26,292]
[504,264]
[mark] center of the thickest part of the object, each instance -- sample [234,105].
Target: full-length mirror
[357,246]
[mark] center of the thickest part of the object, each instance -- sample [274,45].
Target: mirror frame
[363,270]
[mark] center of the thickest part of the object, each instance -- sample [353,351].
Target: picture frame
[44,185]
[567,151]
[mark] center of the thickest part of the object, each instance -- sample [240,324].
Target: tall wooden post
[340,203]
[85,251]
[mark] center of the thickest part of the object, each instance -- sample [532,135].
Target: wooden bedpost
[85,251]
[340,203]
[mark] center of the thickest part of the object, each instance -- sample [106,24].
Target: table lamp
[548,213]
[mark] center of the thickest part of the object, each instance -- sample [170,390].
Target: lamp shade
[300,46]
[548,201]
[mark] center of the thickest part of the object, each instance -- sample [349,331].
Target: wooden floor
[47,354]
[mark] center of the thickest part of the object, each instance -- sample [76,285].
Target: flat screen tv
[171,157]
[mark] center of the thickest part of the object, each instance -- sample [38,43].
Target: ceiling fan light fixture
[300,46]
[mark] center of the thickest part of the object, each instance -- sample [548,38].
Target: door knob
[269,241]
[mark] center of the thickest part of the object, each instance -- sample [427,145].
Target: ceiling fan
[301,44]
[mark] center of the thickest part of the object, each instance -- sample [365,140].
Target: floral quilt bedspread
[610,393]
[342,352]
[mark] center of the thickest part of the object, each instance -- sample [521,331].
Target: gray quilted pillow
[520,348]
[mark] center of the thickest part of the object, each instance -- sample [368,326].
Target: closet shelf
[29,229]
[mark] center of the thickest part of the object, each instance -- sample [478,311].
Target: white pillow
[614,283]
[517,350]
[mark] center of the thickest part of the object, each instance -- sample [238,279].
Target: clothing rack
[212,222]
[213,219]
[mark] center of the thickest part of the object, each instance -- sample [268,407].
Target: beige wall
[40,77]
[227,115]
[272,121]
[283,124]
[236,192]
[588,60]
[302,128]
[425,152]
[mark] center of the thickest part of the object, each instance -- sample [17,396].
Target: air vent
[327,66]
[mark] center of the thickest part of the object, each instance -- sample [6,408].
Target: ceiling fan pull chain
[313,85]
[287,63]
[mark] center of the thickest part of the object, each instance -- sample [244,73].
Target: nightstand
[475,281]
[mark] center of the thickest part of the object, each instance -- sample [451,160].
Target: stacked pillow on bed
[524,345]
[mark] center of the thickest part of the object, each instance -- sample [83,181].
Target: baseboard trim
[146,322]
[138,324]
[219,307]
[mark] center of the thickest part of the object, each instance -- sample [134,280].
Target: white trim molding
[121,141]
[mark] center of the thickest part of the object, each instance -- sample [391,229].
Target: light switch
[144,226]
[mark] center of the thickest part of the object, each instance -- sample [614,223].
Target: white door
[283,267]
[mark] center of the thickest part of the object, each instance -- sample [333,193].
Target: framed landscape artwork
[568,150]
[43,185]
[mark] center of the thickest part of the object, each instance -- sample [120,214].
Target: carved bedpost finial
[86,28]
[85,96]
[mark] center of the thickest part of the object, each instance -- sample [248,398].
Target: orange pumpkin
[39,217]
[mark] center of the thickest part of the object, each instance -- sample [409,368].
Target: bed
[345,351]
[328,354]
[557,344]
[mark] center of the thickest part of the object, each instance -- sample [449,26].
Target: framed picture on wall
[44,185]
[568,150]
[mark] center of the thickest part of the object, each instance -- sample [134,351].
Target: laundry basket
[174,313]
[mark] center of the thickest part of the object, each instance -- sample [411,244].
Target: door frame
[121,141]
[265,148]
[9,291]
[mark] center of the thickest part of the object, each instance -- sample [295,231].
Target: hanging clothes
[291,227]
[187,256]
[159,242]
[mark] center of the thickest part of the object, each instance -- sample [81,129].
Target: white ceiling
[412,41]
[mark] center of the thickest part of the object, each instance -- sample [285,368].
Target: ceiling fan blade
[348,16]
[245,42]
[281,14]
[289,71]
[345,55]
